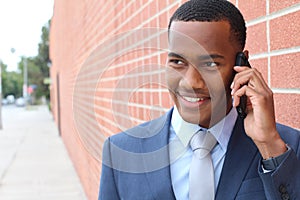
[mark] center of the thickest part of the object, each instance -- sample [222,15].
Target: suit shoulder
[147,129]
[290,135]
[283,129]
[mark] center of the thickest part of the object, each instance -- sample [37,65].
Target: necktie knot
[202,143]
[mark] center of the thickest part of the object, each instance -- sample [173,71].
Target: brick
[172,10]
[276,5]
[163,58]
[283,31]
[285,71]
[256,41]
[166,100]
[162,4]
[252,10]
[262,66]
[287,108]
[162,20]
[143,114]
[147,98]
[155,98]
[153,23]
[153,113]
[152,8]
[101,104]
[140,97]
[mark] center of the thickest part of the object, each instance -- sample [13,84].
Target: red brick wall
[110,67]
[274,46]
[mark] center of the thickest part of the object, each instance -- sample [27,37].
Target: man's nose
[192,79]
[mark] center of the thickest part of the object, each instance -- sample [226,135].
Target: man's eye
[210,64]
[176,62]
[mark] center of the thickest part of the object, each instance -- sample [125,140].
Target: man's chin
[195,119]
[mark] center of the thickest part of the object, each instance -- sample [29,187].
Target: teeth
[192,99]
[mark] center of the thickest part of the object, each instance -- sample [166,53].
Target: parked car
[10,98]
[20,102]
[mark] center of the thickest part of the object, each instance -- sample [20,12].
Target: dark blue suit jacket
[135,165]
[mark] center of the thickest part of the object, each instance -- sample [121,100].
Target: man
[252,158]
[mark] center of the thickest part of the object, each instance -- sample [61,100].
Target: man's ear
[246,52]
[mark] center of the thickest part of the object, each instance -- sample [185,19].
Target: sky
[21,23]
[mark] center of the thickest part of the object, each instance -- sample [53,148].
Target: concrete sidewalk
[34,164]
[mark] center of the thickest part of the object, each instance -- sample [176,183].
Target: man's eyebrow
[210,56]
[172,54]
[201,57]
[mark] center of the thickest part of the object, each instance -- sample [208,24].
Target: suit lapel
[158,175]
[240,153]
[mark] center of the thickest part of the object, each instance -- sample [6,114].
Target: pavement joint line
[11,161]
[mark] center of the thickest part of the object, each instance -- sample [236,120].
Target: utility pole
[1,125]
[25,83]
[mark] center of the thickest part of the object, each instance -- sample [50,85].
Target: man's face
[200,70]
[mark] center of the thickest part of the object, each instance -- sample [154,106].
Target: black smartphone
[241,60]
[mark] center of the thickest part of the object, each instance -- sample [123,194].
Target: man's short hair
[213,11]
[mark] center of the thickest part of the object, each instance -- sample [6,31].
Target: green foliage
[11,82]
[37,70]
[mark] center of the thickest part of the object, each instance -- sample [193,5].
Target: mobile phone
[241,60]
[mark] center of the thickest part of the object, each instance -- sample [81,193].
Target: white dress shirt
[181,154]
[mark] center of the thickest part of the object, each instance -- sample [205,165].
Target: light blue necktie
[201,177]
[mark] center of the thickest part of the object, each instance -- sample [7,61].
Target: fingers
[245,90]
[249,82]
[250,77]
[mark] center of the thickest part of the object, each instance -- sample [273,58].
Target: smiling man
[201,148]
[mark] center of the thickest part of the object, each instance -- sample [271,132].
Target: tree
[42,61]
[11,82]
[37,67]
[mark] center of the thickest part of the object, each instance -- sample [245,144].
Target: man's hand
[260,123]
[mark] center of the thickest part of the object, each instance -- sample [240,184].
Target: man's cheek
[173,79]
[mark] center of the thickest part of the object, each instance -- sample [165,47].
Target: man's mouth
[193,99]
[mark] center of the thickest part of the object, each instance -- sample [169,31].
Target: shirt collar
[184,130]
[221,131]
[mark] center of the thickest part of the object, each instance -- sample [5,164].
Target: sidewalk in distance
[34,163]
